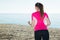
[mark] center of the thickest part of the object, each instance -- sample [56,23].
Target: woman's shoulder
[45,13]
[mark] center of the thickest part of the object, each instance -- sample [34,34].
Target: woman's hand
[29,23]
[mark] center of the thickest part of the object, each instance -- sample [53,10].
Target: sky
[27,6]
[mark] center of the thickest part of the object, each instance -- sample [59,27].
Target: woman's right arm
[48,21]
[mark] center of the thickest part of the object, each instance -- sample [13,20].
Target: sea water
[24,18]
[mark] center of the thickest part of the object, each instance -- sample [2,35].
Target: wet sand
[23,32]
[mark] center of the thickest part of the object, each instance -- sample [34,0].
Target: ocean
[24,18]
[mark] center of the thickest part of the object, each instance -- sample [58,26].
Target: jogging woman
[38,22]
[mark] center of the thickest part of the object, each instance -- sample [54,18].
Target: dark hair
[40,6]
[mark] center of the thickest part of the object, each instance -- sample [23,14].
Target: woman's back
[39,21]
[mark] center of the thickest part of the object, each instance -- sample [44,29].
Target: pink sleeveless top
[40,21]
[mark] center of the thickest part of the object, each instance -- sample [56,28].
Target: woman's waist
[40,27]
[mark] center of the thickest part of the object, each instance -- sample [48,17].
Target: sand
[23,32]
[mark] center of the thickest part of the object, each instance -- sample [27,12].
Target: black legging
[41,34]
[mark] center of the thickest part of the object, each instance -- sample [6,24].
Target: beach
[23,32]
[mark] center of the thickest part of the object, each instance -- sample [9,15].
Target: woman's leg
[37,35]
[45,35]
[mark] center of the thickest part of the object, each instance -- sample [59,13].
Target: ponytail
[40,6]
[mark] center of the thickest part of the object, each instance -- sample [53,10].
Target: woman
[38,22]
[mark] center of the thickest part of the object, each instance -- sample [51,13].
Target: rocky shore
[23,32]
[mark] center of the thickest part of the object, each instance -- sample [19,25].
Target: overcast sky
[27,6]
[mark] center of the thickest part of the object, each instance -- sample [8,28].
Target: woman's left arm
[33,22]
